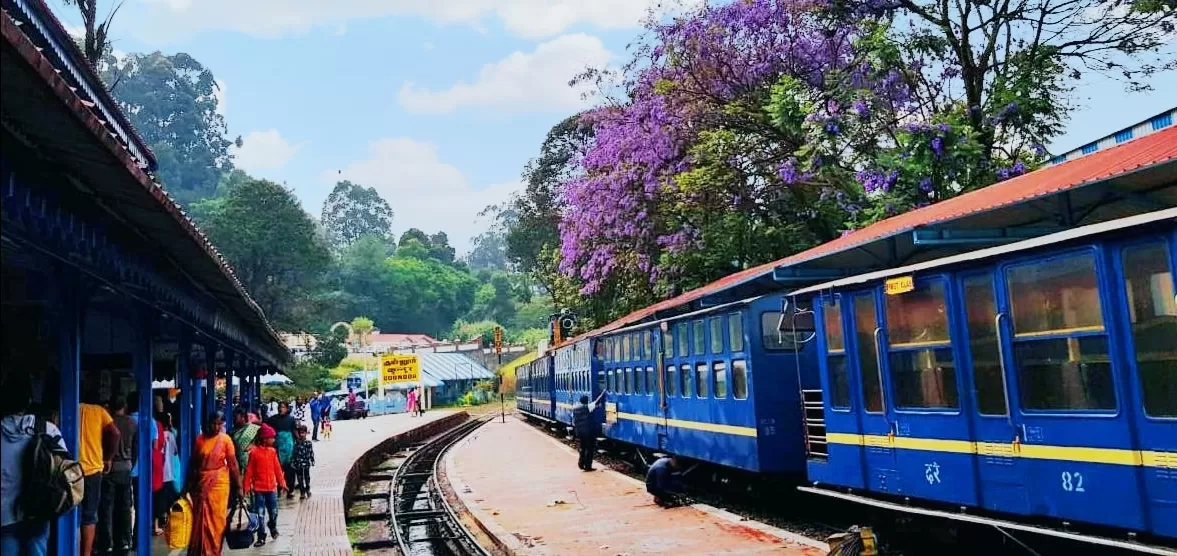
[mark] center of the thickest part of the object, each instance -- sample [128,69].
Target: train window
[1060,350]
[671,380]
[684,340]
[799,329]
[700,341]
[922,366]
[1152,309]
[609,384]
[716,325]
[868,362]
[668,342]
[720,371]
[980,312]
[629,380]
[701,380]
[651,381]
[639,381]
[624,348]
[1055,297]
[601,383]
[616,349]
[836,354]
[739,379]
[648,340]
[735,331]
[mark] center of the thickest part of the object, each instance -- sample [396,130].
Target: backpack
[51,481]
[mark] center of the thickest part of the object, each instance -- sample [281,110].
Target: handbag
[241,519]
[179,527]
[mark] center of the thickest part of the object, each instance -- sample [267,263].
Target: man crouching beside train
[662,481]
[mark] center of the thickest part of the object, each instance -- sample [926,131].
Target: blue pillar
[187,397]
[142,365]
[210,381]
[230,371]
[69,341]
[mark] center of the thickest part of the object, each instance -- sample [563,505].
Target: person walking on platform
[213,474]
[662,481]
[115,527]
[243,436]
[412,401]
[20,534]
[302,461]
[284,425]
[586,430]
[316,406]
[265,480]
[98,439]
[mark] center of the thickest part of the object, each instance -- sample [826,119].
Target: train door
[1000,481]
[877,426]
[1076,442]
[660,400]
[932,444]
[1148,318]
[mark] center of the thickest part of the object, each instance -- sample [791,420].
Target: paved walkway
[524,487]
[316,526]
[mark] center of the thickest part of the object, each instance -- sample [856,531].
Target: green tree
[412,248]
[440,249]
[96,36]
[423,295]
[353,211]
[330,348]
[362,327]
[172,102]
[274,248]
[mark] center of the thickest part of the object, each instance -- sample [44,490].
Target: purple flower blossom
[926,185]
[832,127]
[938,146]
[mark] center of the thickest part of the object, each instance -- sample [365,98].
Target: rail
[423,521]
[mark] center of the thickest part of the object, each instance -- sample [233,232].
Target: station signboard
[400,368]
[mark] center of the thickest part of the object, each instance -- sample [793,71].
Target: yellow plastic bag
[179,530]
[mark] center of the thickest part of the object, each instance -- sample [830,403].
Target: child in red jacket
[264,478]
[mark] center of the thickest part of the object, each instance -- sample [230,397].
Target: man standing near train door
[586,430]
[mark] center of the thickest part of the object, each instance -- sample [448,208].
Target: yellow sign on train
[902,284]
[400,368]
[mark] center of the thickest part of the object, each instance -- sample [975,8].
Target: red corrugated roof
[1099,166]
[402,339]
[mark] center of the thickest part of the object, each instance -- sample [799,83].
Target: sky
[438,104]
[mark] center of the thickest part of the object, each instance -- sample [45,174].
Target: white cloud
[219,93]
[263,150]
[175,20]
[427,46]
[521,81]
[424,191]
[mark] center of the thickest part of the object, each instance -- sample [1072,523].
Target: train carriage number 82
[1073,482]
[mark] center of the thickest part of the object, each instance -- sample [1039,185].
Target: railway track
[423,521]
[402,509]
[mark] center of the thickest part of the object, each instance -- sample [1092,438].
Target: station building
[107,283]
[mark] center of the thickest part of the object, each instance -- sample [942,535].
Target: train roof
[980,254]
[1102,186]
[703,311]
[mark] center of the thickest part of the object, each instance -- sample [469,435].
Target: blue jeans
[265,505]
[24,538]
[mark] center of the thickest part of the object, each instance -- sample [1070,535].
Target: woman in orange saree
[213,473]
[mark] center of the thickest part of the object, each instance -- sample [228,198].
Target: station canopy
[1135,177]
[437,368]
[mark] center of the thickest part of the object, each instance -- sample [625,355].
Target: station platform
[524,489]
[316,526]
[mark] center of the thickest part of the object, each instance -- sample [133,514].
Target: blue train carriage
[542,388]
[720,385]
[577,368]
[1037,378]
[523,388]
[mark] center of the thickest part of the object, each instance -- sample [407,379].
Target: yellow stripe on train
[1113,456]
[693,425]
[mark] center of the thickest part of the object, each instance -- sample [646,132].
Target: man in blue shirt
[316,405]
[662,481]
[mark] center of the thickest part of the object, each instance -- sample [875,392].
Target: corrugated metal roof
[1157,148]
[452,366]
